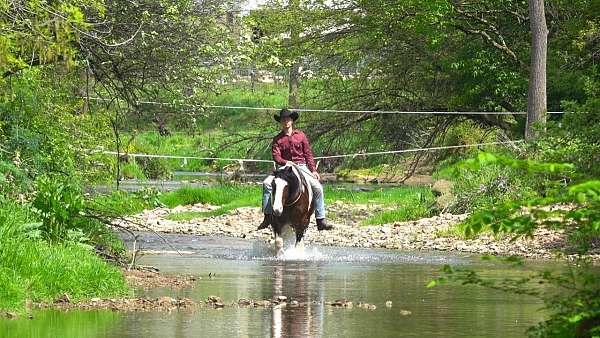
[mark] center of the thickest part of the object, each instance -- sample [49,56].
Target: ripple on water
[215,247]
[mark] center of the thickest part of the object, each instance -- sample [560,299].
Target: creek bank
[427,234]
[153,279]
[137,279]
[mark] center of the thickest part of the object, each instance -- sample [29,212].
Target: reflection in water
[305,319]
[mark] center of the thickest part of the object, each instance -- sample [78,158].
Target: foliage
[12,179]
[42,272]
[120,202]
[575,138]
[59,203]
[31,268]
[40,32]
[572,298]
[487,184]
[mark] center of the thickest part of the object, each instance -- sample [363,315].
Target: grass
[385,197]
[126,203]
[34,269]
[229,197]
[411,202]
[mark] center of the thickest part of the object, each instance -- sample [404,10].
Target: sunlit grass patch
[386,196]
[223,195]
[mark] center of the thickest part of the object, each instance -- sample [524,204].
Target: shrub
[59,203]
[154,168]
[486,185]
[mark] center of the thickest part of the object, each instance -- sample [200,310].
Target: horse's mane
[287,174]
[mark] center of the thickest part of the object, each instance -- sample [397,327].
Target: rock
[244,302]
[442,187]
[8,315]
[264,303]
[339,302]
[218,305]
[214,299]
[281,298]
[294,303]
[95,300]
[64,298]
[165,301]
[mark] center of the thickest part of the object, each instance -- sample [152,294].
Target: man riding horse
[291,145]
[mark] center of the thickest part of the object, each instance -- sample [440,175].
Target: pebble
[425,234]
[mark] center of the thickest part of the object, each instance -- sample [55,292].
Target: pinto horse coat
[293,203]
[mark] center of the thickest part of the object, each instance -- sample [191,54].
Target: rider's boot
[266,222]
[322,224]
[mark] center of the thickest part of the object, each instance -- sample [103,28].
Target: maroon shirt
[293,148]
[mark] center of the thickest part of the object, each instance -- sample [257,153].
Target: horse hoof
[279,243]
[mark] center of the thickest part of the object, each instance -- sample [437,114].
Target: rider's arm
[277,153]
[308,155]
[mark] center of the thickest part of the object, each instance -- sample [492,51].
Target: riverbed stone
[432,233]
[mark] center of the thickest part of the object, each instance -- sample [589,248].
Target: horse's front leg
[299,235]
[277,239]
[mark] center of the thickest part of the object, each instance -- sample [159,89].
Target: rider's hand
[316,175]
[289,163]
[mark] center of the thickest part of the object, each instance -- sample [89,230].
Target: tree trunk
[536,98]
[294,79]
[294,86]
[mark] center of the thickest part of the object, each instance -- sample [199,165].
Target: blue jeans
[317,189]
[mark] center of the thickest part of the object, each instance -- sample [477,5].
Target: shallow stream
[241,268]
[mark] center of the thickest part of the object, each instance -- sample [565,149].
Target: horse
[293,204]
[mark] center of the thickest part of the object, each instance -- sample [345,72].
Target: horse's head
[285,188]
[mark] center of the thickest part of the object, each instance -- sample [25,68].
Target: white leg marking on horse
[278,243]
[277,200]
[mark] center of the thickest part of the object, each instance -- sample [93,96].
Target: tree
[294,77]
[536,97]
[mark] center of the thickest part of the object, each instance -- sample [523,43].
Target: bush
[154,168]
[13,180]
[132,170]
[60,204]
[486,185]
[574,139]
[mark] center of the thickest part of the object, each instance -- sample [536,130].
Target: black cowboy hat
[285,113]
